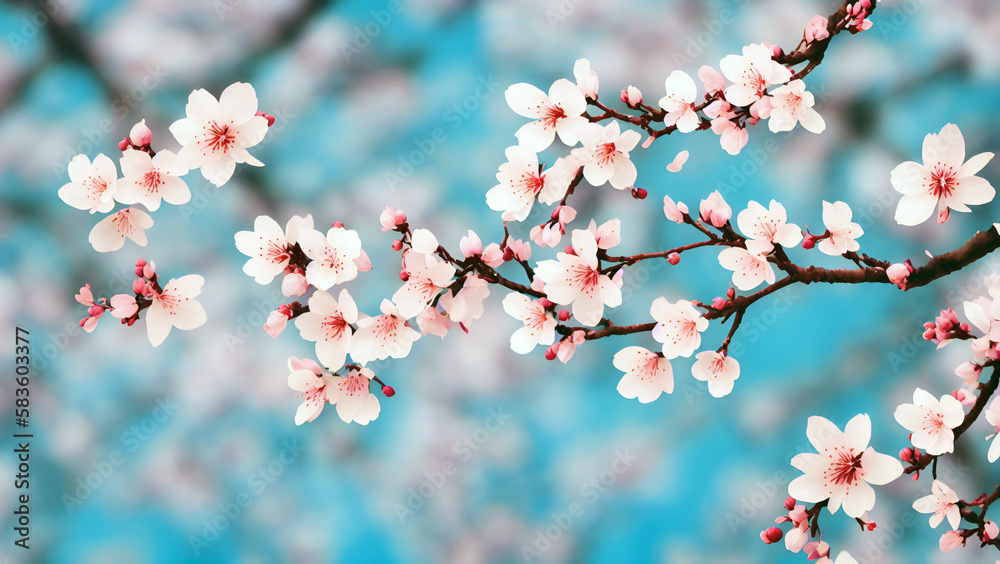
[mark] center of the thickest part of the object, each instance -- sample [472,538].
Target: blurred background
[189,453]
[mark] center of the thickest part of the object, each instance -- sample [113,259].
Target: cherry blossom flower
[493,255]
[550,233]
[715,210]
[899,273]
[140,135]
[352,396]
[307,377]
[679,102]
[711,79]
[92,186]
[844,467]
[678,327]
[430,320]
[467,305]
[123,306]
[147,180]
[931,421]
[945,179]
[608,235]
[267,248]
[110,233]
[539,324]
[576,279]
[816,29]
[791,104]
[768,224]
[391,218]
[427,277]
[993,418]
[674,212]
[951,539]
[647,374]
[382,336]
[558,112]
[843,232]
[586,79]
[332,256]
[176,307]
[732,137]
[276,322]
[294,283]
[751,74]
[631,96]
[605,154]
[817,550]
[943,502]
[423,241]
[719,370]
[216,134]
[471,245]
[521,182]
[520,249]
[750,266]
[566,347]
[328,323]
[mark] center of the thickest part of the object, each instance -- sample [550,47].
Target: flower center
[531,184]
[943,181]
[220,137]
[355,385]
[846,468]
[334,325]
[585,278]
[151,180]
[552,114]
[605,153]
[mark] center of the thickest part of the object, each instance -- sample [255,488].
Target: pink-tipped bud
[140,135]
[718,303]
[639,193]
[139,271]
[129,321]
[285,310]
[544,303]
[139,286]
[95,311]
[397,245]
[673,258]
[140,262]
[86,319]
[631,96]
[569,250]
[906,455]
[149,272]
[268,117]
[563,315]
[124,144]
[388,391]
[550,353]
[337,225]
[508,254]
[808,242]
[990,531]
[776,51]
[789,503]
[404,275]
[771,535]
[730,293]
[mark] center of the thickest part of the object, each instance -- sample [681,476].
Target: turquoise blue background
[357,89]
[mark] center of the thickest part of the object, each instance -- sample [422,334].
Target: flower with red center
[352,396]
[308,377]
[216,134]
[521,182]
[751,74]
[539,324]
[328,323]
[718,369]
[110,233]
[577,279]
[943,502]
[791,104]
[268,246]
[333,256]
[768,224]
[382,336]
[945,179]
[92,186]
[176,307]
[427,277]
[843,466]
[931,421]
[678,327]
[647,374]
[147,180]
[605,154]
[558,112]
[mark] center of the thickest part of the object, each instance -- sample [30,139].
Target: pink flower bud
[718,303]
[569,250]
[550,353]
[816,30]
[715,210]
[276,322]
[149,271]
[632,96]
[140,135]
[283,309]
[730,293]
[124,144]
[808,242]
[639,193]
[471,245]
[337,225]
[392,218]
[789,503]
[771,535]
[139,286]
[673,258]
[563,315]
[268,117]
[544,303]
[906,454]
[294,284]
[397,245]
[95,311]
[388,391]
[990,531]
[950,541]
[776,51]
[139,270]
[898,274]
[508,254]
[404,275]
